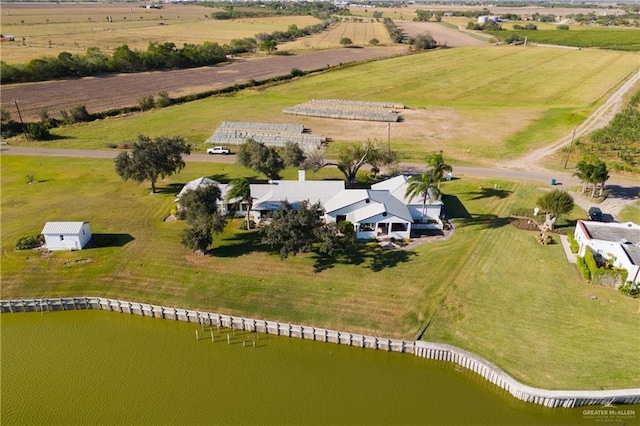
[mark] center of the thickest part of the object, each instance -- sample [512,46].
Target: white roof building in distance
[619,242]
[66,235]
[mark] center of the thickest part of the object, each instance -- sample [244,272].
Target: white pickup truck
[218,150]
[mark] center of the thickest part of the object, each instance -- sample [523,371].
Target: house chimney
[301,175]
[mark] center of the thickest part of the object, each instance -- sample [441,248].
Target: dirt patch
[445,36]
[524,224]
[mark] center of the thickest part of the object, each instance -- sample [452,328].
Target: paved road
[621,191]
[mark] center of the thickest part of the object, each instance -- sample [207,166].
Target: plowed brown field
[122,90]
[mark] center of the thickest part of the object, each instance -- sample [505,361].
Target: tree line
[158,56]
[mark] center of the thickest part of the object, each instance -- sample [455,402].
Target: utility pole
[573,136]
[19,115]
[389,135]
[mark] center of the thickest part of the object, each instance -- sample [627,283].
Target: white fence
[436,351]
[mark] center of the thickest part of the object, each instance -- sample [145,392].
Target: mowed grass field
[360,33]
[53,28]
[490,289]
[478,105]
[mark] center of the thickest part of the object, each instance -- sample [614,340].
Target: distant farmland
[50,28]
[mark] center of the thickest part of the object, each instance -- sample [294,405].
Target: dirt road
[597,120]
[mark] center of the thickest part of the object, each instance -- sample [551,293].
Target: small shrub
[29,242]
[112,145]
[544,239]
[37,131]
[163,100]
[80,114]
[573,243]
[296,72]
[243,225]
[374,42]
[531,27]
[146,103]
[582,266]
[630,289]
[124,145]
[563,27]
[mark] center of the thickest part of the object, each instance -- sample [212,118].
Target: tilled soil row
[103,93]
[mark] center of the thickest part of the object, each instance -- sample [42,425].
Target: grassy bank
[503,295]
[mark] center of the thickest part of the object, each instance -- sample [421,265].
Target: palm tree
[422,186]
[436,161]
[240,188]
[584,172]
[599,176]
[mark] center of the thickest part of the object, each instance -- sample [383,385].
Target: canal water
[97,367]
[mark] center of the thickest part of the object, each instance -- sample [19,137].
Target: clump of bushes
[573,243]
[584,269]
[544,239]
[630,289]
[29,242]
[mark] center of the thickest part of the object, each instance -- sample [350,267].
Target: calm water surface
[96,367]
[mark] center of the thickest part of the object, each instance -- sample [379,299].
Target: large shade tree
[554,204]
[298,230]
[200,208]
[152,159]
[353,157]
[422,186]
[269,160]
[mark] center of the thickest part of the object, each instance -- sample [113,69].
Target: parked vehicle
[595,214]
[218,150]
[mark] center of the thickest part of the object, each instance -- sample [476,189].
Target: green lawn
[490,289]
[479,105]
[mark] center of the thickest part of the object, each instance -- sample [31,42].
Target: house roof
[397,186]
[63,227]
[270,196]
[194,184]
[380,201]
[625,234]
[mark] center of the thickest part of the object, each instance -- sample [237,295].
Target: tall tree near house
[599,176]
[436,161]
[422,186]
[200,208]
[261,158]
[584,172]
[293,230]
[352,158]
[202,201]
[240,188]
[152,159]
[554,204]
[292,154]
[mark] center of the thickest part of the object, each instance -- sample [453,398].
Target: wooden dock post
[213,340]
[197,337]
[228,340]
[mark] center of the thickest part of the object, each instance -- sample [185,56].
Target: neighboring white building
[619,242]
[66,235]
[424,216]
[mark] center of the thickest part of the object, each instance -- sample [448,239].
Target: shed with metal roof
[66,235]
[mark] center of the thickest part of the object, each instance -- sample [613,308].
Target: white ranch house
[619,242]
[66,235]
[380,211]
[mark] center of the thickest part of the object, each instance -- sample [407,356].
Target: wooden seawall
[436,351]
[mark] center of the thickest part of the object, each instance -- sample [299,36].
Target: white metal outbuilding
[66,235]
